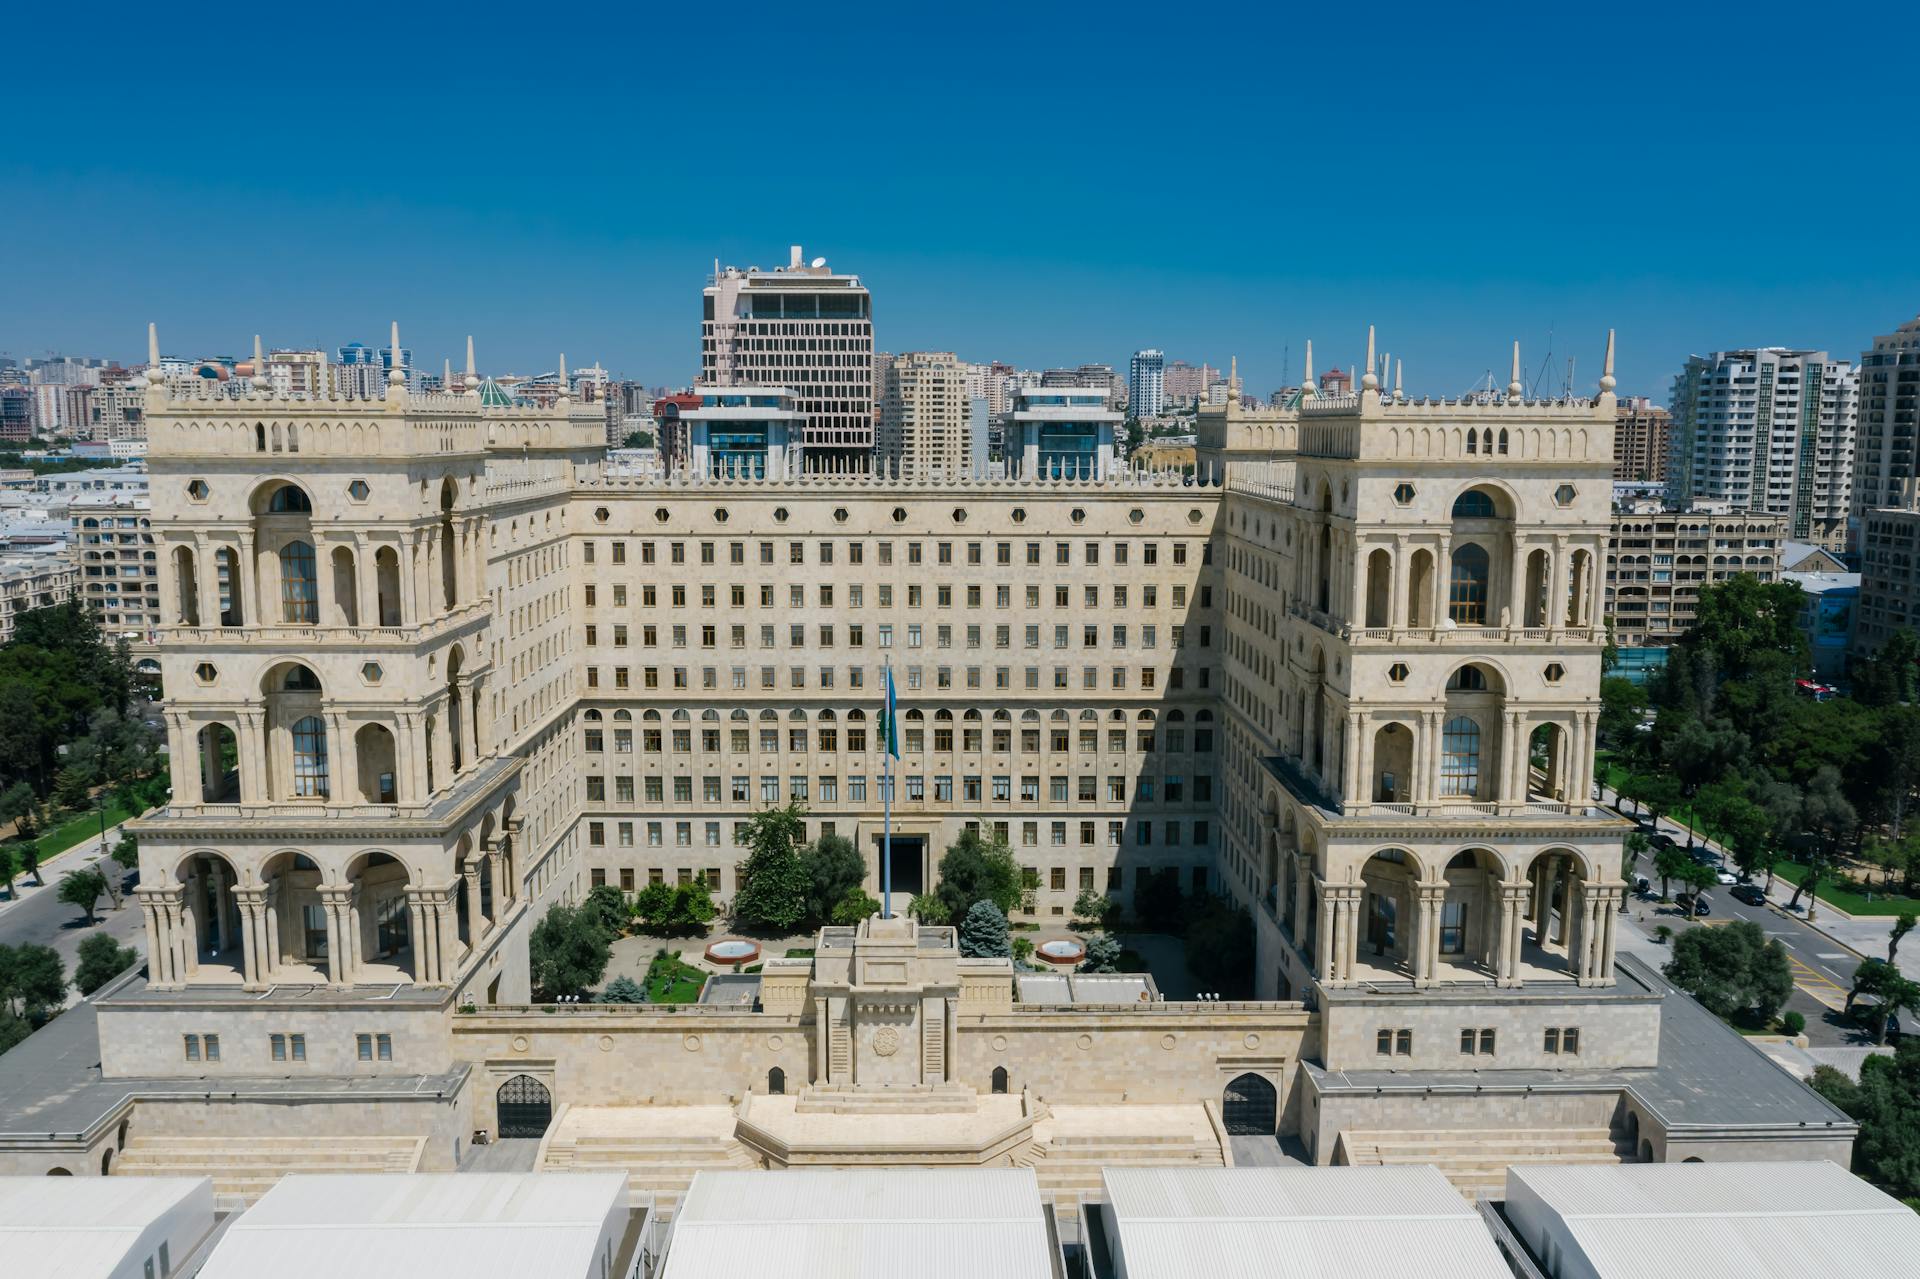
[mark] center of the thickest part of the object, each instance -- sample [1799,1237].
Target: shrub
[622,990]
[854,907]
[1103,954]
[928,909]
[568,951]
[1793,1023]
[834,869]
[975,870]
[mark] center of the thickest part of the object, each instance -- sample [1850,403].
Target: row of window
[1085,878]
[1171,741]
[1170,788]
[1475,1041]
[914,677]
[1120,595]
[856,552]
[1172,832]
[913,635]
[289,1046]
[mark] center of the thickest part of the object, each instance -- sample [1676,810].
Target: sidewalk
[24,889]
[1863,935]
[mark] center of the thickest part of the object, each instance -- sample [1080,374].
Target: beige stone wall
[1614,1033]
[144,1040]
[1323,1118]
[447,1122]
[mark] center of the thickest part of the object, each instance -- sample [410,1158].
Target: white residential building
[1146,384]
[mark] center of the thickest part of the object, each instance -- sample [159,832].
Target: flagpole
[886,797]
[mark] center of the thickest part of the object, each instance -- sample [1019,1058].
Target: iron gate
[1249,1108]
[525,1106]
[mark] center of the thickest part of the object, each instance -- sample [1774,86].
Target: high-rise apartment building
[925,416]
[805,328]
[116,412]
[1640,431]
[1186,384]
[1658,562]
[293,372]
[1147,384]
[1886,461]
[1767,429]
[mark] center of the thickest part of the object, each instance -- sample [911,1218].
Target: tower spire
[1606,373]
[1396,380]
[394,376]
[1306,383]
[261,382]
[471,381]
[153,344]
[1515,388]
[1370,381]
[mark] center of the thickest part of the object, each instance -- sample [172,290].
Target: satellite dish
[817,263]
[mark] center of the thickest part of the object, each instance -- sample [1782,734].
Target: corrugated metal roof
[83,1227]
[1265,1223]
[474,1225]
[847,1223]
[1723,1220]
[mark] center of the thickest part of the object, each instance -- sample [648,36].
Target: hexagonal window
[198,490]
[1078,515]
[660,514]
[1555,672]
[206,673]
[1019,515]
[839,515]
[1403,492]
[1397,672]
[358,490]
[601,514]
[959,515]
[899,515]
[1136,515]
[1194,516]
[1564,495]
[371,672]
[720,514]
[780,515]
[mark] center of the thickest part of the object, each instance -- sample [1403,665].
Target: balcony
[292,635]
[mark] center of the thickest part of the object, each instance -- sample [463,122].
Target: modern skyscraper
[1767,429]
[805,328]
[1146,384]
[1640,431]
[925,412]
[1886,462]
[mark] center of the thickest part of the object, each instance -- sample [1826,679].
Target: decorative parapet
[986,987]
[597,479]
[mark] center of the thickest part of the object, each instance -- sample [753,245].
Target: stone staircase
[244,1168]
[659,1165]
[1475,1161]
[1068,1164]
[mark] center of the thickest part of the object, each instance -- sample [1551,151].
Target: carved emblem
[886,1041]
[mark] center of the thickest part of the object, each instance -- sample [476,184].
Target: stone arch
[376,764]
[382,920]
[1249,1106]
[449,547]
[1392,779]
[1420,573]
[1389,879]
[1379,587]
[999,1081]
[523,1107]
[776,1082]
[211,918]
[186,586]
[1535,588]
[298,923]
[386,577]
[1549,773]
[218,747]
[343,572]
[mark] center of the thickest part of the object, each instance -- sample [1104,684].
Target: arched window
[289,500]
[999,1081]
[1467,588]
[1460,757]
[1473,440]
[776,1082]
[310,758]
[1474,504]
[299,581]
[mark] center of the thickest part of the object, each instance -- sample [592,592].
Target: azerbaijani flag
[890,720]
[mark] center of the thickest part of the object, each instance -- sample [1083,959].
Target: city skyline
[1454,210]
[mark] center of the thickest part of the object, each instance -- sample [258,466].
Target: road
[1822,968]
[39,917]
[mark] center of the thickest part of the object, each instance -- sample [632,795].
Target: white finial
[1370,381]
[446,374]
[152,374]
[470,377]
[1396,381]
[394,376]
[1606,374]
[1306,385]
[261,382]
[1514,388]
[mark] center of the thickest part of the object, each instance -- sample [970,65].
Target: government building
[431,668]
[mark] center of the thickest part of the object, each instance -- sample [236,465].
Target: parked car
[1751,894]
[1662,840]
[1726,876]
[1695,904]
[1705,856]
[1641,886]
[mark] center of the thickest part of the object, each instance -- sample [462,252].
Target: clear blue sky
[1037,184]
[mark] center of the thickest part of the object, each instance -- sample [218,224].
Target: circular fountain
[733,950]
[1063,952]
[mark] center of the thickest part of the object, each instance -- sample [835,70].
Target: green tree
[1871,978]
[83,888]
[834,867]
[1670,864]
[1095,909]
[568,951]
[13,1029]
[101,960]
[1732,969]
[33,981]
[10,867]
[1103,954]
[1886,1105]
[1622,703]
[1892,675]
[638,440]
[693,907]
[1898,996]
[653,907]
[1729,814]
[1828,821]
[1891,771]
[1746,627]
[73,788]
[1220,946]
[126,853]
[606,907]
[774,882]
[976,870]
[19,805]
[1901,927]
[984,933]
[622,990]
[854,907]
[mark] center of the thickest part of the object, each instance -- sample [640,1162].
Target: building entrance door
[909,855]
[525,1107]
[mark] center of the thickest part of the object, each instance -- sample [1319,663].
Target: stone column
[245,583]
[443,770]
[183,752]
[495,871]
[1324,935]
[1350,915]
[1350,781]
[1557,593]
[332,902]
[423,937]
[470,886]
[250,739]
[1610,911]
[343,761]
[446,925]
[1435,754]
[1424,924]
[1512,753]
[161,907]
[249,901]
[1542,898]
[1302,897]
[270,930]
[366,581]
[408,551]
[1396,601]
[410,760]
[1442,573]
[1513,903]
